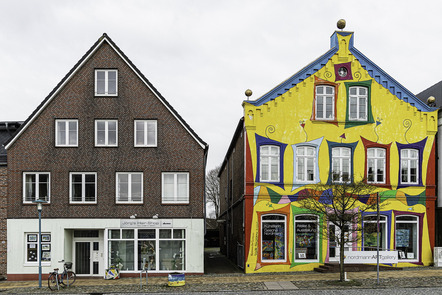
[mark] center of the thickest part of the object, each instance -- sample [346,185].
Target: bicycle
[66,278]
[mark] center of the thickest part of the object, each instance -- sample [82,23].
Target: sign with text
[385,257]
[143,223]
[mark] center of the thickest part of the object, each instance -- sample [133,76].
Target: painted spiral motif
[270,129]
[407,124]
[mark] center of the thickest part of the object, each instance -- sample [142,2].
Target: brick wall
[35,149]
[3,205]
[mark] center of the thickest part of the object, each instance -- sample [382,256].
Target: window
[376,165]
[66,133]
[32,242]
[273,238]
[371,233]
[269,160]
[129,188]
[325,102]
[341,161]
[407,237]
[358,103]
[83,187]
[145,133]
[175,187]
[106,133]
[106,82]
[306,163]
[160,249]
[306,237]
[36,186]
[172,249]
[409,166]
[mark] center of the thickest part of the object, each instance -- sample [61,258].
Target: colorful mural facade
[341,118]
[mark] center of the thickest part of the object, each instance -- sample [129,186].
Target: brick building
[7,129]
[121,171]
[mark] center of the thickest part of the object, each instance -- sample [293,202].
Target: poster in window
[267,246]
[32,238]
[45,238]
[46,256]
[273,240]
[403,238]
[305,235]
[32,255]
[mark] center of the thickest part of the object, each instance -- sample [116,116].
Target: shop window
[32,244]
[370,232]
[306,238]
[407,236]
[273,238]
[156,249]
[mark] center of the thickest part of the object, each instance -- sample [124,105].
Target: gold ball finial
[341,24]
[431,101]
[248,93]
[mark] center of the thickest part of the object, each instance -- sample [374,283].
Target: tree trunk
[341,258]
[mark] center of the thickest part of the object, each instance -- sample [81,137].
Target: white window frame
[355,100]
[106,133]
[106,82]
[265,154]
[37,187]
[145,131]
[129,188]
[375,160]
[303,160]
[175,188]
[67,133]
[83,188]
[316,222]
[340,158]
[408,160]
[285,237]
[36,244]
[415,222]
[324,96]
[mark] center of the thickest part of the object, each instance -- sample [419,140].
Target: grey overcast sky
[202,55]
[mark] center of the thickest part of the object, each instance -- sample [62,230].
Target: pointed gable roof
[379,75]
[70,74]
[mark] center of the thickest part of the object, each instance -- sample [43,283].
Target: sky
[203,55]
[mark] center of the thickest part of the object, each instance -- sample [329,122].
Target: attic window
[106,82]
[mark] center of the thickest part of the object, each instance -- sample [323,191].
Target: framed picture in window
[45,238]
[302,255]
[46,256]
[32,238]
[402,254]
[46,247]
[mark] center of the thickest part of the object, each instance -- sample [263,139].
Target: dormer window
[106,82]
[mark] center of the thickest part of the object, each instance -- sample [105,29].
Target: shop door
[334,249]
[88,258]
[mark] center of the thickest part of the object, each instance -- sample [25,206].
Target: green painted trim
[348,122]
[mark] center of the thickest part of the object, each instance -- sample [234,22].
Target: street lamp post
[39,203]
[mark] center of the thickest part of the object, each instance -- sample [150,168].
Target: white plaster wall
[61,246]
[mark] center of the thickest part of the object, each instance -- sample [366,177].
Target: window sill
[82,203]
[175,203]
[34,264]
[99,95]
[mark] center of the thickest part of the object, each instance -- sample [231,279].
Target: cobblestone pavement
[406,278]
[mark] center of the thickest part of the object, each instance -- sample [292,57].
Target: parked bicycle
[66,278]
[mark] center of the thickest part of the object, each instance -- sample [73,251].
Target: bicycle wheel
[52,282]
[68,275]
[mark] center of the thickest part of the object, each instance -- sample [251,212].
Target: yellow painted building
[340,119]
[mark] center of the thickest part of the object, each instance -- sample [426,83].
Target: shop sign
[145,223]
[385,257]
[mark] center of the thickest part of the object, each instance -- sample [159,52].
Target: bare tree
[342,205]
[212,189]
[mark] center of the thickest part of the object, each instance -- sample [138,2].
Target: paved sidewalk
[223,282]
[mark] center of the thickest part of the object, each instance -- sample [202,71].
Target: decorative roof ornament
[248,93]
[341,24]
